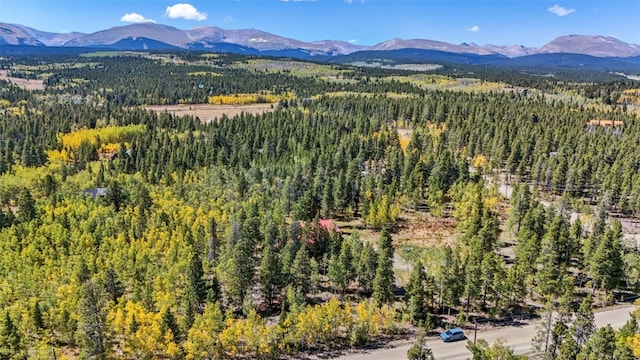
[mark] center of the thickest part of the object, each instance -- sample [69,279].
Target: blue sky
[364,22]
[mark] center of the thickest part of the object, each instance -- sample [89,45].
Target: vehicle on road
[454,334]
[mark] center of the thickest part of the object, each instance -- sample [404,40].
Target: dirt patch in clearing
[412,228]
[405,133]
[29,84]
[208,113]
[425,230]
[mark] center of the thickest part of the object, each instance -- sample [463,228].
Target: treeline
[210,240]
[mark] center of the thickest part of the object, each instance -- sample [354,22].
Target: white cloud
[298,0]
[474,28]
[560,10]
[135,18]
[185,11]
[353,41]
[228,19]
[351,1]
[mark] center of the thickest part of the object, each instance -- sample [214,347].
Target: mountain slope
[158,36]
[397,44]
[160,33]
[16,35]
[600,46]
[47,38]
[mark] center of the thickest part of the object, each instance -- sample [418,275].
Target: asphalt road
[519,338]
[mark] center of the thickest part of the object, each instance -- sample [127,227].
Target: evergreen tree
[213,244]
[197,284]
[92,328]
[600,346]
[10,338]
[367,264]
[549,279]
[114,195]
[169,323]
[415,295]
[568,348]
[584,323]
[606,266]
[542,340]
[37,316]
[301,271]
[558,337]
[269,275]
[239,274]
[26,206]
[337,274]
[520,205]
[419,350]
[112,285]
[6,219]
[384,281]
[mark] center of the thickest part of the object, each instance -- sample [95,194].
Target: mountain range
[602,54]
[152,36]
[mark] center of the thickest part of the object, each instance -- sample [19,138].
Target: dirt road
[518,338]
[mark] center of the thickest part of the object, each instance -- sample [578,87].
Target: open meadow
[208,112]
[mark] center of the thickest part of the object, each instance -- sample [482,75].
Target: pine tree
[558,337]
[197,284]
[384,281]
[213,244]
[37,316]
[336,273]
[115,195]
[606,266]
[550,277]
[269,275]
[26,206]
[301,271]
[112,284]
[347,259]
[168,323]
[419,350]
[542,339]
[584,323]
[92,326]
[600,346]
[367,264]
[10,338]
[415,295]
[568,348]
[520,205]
[239,274]
[327,203]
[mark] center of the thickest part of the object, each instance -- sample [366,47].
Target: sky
[364,22]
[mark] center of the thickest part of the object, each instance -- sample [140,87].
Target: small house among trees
[98,192]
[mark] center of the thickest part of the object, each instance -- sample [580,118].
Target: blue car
[454,334]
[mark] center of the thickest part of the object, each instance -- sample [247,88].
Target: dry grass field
[28,84]
[208,113]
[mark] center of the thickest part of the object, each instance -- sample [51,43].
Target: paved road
[519,338]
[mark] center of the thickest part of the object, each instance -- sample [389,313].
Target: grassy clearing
[413,228]
[208,113]
[296,68]
[29,84]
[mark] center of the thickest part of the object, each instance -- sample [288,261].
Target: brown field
[208,113]
[25,83]
[413,228]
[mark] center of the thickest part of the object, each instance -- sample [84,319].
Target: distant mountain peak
[594,45]
[260,41]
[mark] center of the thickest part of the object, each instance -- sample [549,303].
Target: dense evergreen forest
[128,233]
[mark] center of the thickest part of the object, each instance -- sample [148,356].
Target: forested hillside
[127,233]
